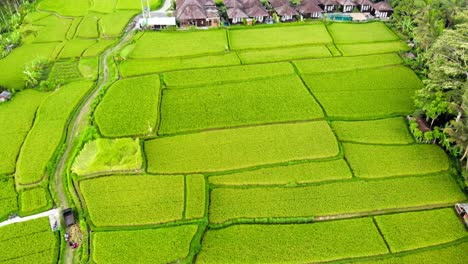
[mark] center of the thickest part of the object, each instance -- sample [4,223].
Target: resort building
[285,10]
[200,13]
[347,5]
[310,9]
[237,10]
[365,6]
[329,5]
[382,10]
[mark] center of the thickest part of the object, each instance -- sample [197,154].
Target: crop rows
[28,242]
[266,145]
[33,200]
[130,107]
[276,99]
[283,54]
[8,199]
[347,197]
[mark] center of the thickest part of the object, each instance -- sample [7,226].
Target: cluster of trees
[439,30]
[12,13]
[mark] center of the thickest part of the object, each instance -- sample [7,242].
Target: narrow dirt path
[78,125]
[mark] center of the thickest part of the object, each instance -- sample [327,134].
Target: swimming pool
[339,17]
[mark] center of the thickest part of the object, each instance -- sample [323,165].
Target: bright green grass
[302,243]
[88,27]
[34,200]
[359,105]
[104,6]
[63,7]
[161,245]
[130,107]
[195,191]
[277,99]
[175,44]
[89,68]
[226,74]
[371,161]
[112,25]
[358,33]
[46,134]
[28,242]
[387,78]
[109,155]
[408,231]
[8,199]
[453,254]
[139,67]
[130,200]
[283,54]
[73,28]
[240,148]
[32,17]
[287,175]
[96,49]
[346,63]
[11,75]
[347,197]
[136,5]
[17,117]
[383,131]
[275,37]
[76,47]
[54,29]
[372,48]
[66,71]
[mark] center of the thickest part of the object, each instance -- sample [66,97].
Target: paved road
[53,215]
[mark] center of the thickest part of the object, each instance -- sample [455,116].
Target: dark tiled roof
[309,7]
[286,10]
[346,2]
[278,3]
[364,2]
[256,11]
[195,9]
[382,6]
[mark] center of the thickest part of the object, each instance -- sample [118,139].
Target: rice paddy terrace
[269,144]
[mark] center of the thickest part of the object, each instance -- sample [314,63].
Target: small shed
[158,22]
[5,96]
[68,217]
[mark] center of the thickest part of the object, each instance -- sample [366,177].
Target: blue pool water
[339,17]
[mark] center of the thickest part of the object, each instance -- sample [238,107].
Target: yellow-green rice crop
[28,242]
[134,199]
[104,6]
[277,99]
[226,74]
[8,199]
[97,48]
[133,67]
[175,44]
[301,243]
[383,131]
[375,161]
[358,33]
[288,175]
[89,68]
[130,107]
[227,204]
[113,24]
[347,63]
[109,155]
[161,245]
[240,148]
[46,134]
[63,7]
[283,54]
[89,27]
[136,5]
[408,231]
[34,200]
[275,37]
[76,47]
[196,190]
[66,71]
[53,29]
[372,48]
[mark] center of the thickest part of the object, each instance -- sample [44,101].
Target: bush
[35,72]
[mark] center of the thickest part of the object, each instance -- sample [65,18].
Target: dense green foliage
[382,131]
[8,199]
[130,107]
[348,197]
[346,63]
[288,175]
[359,33]
[266,145]
[103,156]
[46,134]
[276,99]
[161,245]
[226,74]
[374,161]
[133,199]
[276,37]
[174,44]
[28,242]
[303,243]
[407,231]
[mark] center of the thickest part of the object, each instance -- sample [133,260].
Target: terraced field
[227,145]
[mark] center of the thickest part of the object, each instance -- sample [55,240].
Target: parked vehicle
[462,212]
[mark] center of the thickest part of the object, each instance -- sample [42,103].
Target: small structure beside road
[5,96]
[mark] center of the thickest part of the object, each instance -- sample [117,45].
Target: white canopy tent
[157,21]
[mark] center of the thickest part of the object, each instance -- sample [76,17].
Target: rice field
[360,33]
[8,197]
